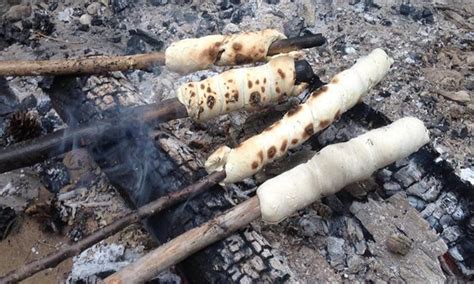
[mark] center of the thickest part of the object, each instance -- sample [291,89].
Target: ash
[431,79]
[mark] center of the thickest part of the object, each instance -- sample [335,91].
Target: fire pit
[418,204]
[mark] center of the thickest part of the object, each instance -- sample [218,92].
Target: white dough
[338,165]
[323,107]
[195,54]
[242,88]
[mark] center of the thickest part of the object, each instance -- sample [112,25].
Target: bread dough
[322,108]
[338,165]
[194,54]
[243,88]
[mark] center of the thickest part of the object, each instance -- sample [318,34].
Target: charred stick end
[297,43]
[305,74]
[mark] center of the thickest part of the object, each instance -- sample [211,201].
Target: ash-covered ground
[432,79]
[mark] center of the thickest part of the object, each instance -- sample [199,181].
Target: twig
[188,243]
[102,64]
[57,40]
[150,209]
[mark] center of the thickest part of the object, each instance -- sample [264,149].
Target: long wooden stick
[152,208]
[102,64]
[188,243]
[30,152]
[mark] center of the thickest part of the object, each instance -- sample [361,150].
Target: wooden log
[152,208]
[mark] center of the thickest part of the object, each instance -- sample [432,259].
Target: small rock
[369,19]
[459,96]
[349,50]
[17,13]
[65,15]
[399,243]
[85,20]
[94,8]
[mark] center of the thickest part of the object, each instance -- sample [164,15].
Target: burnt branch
[145,211]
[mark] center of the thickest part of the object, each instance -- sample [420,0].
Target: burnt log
[142,171]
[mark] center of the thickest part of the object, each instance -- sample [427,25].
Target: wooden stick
[102,64]
[188,243]
[152,208]
[30,152]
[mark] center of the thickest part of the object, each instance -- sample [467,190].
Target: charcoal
[446,221]
[293,27]
[405,9]
[416,202]
[54,175]
[136,45]
[312,225]
[451,234]
[409,174]
[336,253]
[7,218]
[119,5]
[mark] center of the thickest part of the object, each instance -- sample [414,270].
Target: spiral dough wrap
[244,88]
[324,106]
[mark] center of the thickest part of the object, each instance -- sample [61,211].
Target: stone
[17,13]
[94,8]
[459,96]
[85,19]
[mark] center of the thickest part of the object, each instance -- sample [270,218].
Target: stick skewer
[143,212]
[102,64]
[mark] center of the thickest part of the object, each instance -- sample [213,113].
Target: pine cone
[23,126]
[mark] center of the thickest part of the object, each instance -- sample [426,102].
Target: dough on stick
[194,54]
[242,88]
[338,165]
[324,106]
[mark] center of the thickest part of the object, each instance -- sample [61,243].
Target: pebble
[94,8]
[459,96]
[85,19]
[17,13]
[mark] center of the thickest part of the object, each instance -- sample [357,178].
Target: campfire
[236,171]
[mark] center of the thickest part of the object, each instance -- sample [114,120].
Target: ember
[110,158]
